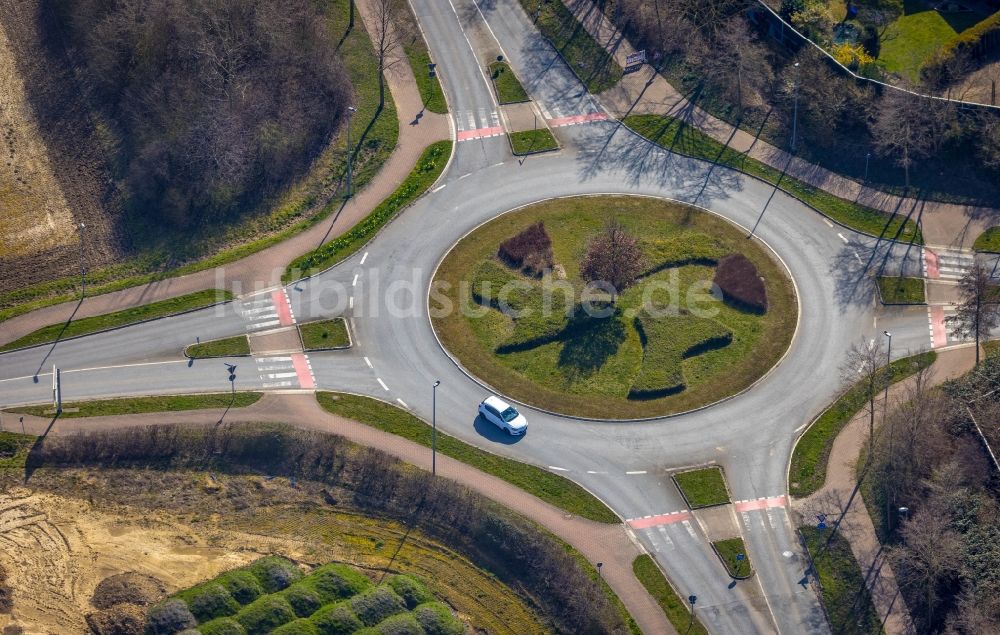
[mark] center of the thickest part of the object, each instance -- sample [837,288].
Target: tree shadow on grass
[588,343]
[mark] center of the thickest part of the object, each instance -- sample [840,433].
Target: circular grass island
[709,312]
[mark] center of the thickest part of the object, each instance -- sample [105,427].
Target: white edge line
[558,469]
[382,384]
[368,361]
[364,258]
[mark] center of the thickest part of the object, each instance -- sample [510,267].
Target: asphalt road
[382,290]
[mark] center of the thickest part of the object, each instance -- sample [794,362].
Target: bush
[410,590]
[209,601]
[265,615]
[968,42]
[740,283]
[169,617]
[222,626]
[402,624]
[336,582]
[275,573]
[242,585]
[336,619]
[298,627]
[303,600]
[437,619]
[377,604]
[530,250]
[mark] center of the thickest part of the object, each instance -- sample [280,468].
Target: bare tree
[979,311]
[738,64]
[864,368]
[613,257]
[387,39]
[908,128]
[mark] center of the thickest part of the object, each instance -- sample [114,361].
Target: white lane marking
[827,221]
[858,257]
[273,359]
[402,403]
[280,375]
[80,370]
[382,384]
[636,472]
[595,472]
[842,237]
[687,525]
[367,361]
[666,538]
[558,469]
[276,384]
[496,165]
[463,176]
[350,302]
[355,282]
[364,258]
[440,187]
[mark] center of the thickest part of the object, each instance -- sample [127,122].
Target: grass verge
[808,470]
[677,610]
[140,405]
[508,87]
[988,241]
[302,206]
[704,487]
[416,52]
[428,168]
[236,346]
[896,290]
[83,326]
[532,141]
[729,551]
[324,334]
[14,449]
[592,64]
[549,487]
[992,348]
[848,604]
[677,136]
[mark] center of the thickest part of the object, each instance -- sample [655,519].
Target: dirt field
[978,86]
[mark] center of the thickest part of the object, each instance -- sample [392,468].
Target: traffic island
[897,290]
[237,346]
[532,142]
[325,335]
[733,554]
[705,487]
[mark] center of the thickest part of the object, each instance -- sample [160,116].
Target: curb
[347,329]
[706,466]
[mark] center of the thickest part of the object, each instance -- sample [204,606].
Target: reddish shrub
[530,250]
[740,283]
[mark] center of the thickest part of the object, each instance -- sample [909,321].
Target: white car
[503,415]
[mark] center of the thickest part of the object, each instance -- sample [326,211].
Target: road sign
[740,556]
[692,599]
[639,57]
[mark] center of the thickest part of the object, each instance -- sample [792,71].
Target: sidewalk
[264,268]
[943,224]
[598,542]
[857,525]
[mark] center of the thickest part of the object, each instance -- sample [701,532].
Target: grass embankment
[236,346]
[612,366]
[913,37]
[508,88]
[324,334]
[677,136]
[988,241]
[83,326]
[303,205]
[532,141]
[551,488]
[703,488]
[728,551]
[677,610]
[428,169]
[845,595]
[139,405]
[808,470]
[597,69]
[416,52]
[897,290]
[14,449]
[992,348]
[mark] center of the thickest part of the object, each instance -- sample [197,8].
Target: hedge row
[965,42]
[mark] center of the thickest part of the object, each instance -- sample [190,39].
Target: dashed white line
[364,258]
[382,384]
[636,472]
[859,258]
[595,472]
[355,282]
[463,176]
[438,188]
[496,165]
[350,302]
[827,221]
[402,403]
[842,237]
[368,361]
[558,469]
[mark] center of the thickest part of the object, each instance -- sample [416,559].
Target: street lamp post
[434,428]
[795,107]
[691,600]
[83,266]
[350,151]
[885,418]
[868,156]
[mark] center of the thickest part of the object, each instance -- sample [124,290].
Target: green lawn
[677,136]
[592,64]
[419,57]
[532,141]
[613,366]
[139,405]
[808,469]
[728,550]
[96,323]
[847,601]
[917,34]
[989,241]
[303,205]
[551,488]
[429,167]
[704,487]
[896,290]
[324,334]
[678,611]
[235,346]
[508,88]
[14,448]
[992,348]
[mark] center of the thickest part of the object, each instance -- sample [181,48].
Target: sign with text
[634,61]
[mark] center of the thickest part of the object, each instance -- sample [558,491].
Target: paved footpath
[264,268]
[598,542]
[645,91]
[857,525]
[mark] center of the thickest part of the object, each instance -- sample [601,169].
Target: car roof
[496,402]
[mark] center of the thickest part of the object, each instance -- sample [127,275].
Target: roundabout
[672,341]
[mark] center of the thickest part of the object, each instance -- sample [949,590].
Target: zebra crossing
[945,263]
[937,321]
[667,537]
[478,124]
[557,117]
[269,310]
[286,371]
